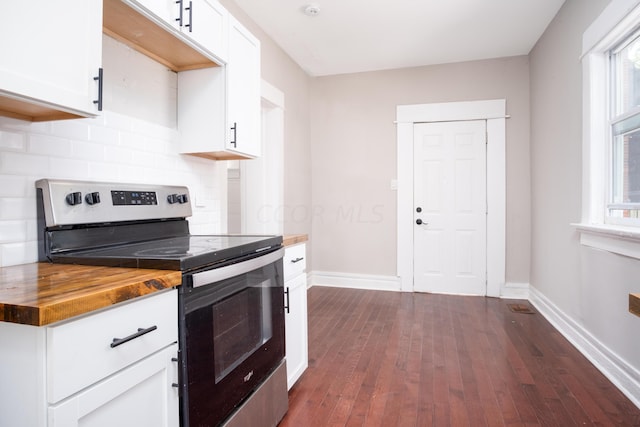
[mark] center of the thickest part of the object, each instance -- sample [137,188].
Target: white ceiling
[350,36]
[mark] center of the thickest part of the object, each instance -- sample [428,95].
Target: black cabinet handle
[190,9]
[177,360]
[99,79]
[119,341]
[179,18]
[286,305]
[296,260]
[234,128]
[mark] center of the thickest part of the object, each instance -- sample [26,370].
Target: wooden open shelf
[634,304]
[33,112]
[132,28]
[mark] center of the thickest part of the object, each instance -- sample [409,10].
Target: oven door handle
[229,271]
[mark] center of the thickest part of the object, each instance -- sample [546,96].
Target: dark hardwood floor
[399,359]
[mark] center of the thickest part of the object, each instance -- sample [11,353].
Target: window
[611,130]
[623,205]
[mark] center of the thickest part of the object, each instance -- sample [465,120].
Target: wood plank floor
[399,359]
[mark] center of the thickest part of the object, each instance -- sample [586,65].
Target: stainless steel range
[231,302]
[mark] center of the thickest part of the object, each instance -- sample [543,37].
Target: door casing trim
[493,111]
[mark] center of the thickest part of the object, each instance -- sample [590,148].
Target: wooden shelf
[23,110]
[634,304]
[132,28]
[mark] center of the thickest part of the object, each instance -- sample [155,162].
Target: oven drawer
[82,352]
[294,261]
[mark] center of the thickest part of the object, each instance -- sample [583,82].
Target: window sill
[617,239]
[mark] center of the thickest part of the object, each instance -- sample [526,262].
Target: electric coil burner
[231,302]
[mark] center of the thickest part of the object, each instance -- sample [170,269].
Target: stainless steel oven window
[242,323]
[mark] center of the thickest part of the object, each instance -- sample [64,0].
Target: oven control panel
[133,198]
[66,202]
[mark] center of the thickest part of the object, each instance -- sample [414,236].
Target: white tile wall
[126,150]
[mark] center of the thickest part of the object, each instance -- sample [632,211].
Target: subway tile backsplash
[112,147]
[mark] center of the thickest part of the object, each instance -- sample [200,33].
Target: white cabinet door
[202,22]
[165,11]
[243,91]
[296,327]
[207,24]
[141,396]
[296,334]
[50,53]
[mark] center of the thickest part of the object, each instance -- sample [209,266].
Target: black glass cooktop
[175,253]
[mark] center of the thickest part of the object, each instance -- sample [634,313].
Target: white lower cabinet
[140,395]
[296,327]
[116,367]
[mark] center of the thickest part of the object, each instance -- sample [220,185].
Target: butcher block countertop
[294,239]
[39,294]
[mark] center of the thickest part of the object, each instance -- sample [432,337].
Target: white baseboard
[355,281]
[619,372]
[513,290]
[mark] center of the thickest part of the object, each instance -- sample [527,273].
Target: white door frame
[262,179]
[493,111]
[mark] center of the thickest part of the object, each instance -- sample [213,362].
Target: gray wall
[353,140]
[340,152]
[589,286]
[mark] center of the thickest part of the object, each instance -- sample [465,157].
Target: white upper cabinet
[219,108]
[50,54]
[243,83]
[206,22]
[203,23]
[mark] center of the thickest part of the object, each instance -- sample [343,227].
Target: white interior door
[450,207]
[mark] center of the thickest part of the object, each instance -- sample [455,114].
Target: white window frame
[618,20]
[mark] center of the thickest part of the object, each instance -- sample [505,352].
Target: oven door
[231,335]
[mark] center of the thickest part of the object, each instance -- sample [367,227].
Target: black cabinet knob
[74,198]
[418,209]
[418,221]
